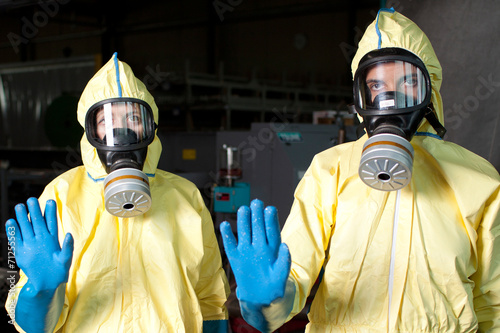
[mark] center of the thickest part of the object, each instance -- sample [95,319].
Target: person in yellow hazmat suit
[401,227]
[139,252]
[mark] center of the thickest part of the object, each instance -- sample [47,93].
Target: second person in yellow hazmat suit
[401,227]
[140,253]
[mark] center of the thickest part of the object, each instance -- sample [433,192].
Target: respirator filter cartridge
[386,162]
[126,193]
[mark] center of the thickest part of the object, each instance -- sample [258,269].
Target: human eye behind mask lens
[391,85]
[119,123]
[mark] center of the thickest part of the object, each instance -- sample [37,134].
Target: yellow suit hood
[391,29]
[115,79]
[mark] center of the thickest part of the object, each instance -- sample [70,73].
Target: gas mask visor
[121,130]
[120,124]
[391,84]
[392,92]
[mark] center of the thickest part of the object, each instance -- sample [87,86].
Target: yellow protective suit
[445,249]
[158,272]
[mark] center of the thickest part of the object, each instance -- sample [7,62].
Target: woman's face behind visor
[119,115]
[119,123]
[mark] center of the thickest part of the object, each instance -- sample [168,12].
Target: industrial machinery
[231,195]
[273,158]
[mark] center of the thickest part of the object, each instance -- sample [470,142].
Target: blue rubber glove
[260,263]
[46,265]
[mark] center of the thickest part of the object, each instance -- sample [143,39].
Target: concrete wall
[466,37]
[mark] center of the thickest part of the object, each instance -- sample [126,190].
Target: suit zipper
[393,256]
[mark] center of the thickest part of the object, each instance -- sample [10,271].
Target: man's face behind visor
[391,85]
[392,92]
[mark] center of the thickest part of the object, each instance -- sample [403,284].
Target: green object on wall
[61,125]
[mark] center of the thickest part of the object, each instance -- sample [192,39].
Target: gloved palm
[37,248]
[260,262]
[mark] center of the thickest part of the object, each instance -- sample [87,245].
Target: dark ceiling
[113,19]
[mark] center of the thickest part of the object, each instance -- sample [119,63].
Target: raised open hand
[37,248]
[260,262]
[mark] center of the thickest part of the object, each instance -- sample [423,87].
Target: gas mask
[392,92]
[121,129]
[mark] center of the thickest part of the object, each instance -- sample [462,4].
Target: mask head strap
[433,120]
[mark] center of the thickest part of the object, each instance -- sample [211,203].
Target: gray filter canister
[126,193]
[386,162]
